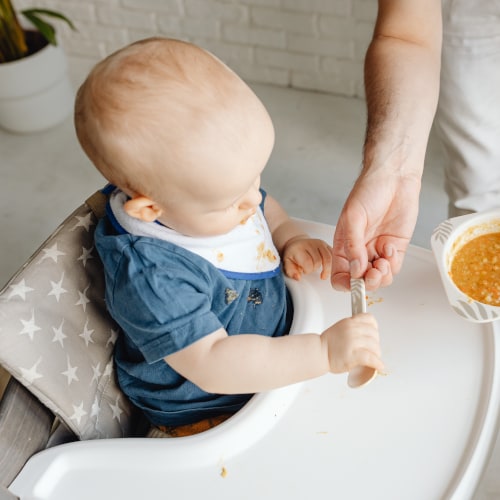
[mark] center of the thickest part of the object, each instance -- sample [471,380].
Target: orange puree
[475,269]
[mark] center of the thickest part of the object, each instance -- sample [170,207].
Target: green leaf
[45,28]
[52,13]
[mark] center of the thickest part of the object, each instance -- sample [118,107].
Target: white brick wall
[308,44]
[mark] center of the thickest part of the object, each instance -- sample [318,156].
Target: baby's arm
[300,253]
[242,364]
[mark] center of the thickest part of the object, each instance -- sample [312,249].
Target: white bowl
[446,240]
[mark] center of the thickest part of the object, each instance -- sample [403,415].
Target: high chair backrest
[56,337]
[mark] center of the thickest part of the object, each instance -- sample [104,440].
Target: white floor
[313,166]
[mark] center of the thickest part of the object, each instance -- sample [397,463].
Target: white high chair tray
[422,432]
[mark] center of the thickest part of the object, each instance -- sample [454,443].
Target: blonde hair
[140,110]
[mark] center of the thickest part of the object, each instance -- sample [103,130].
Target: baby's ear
[142,208]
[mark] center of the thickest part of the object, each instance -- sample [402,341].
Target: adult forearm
[402,69]
[402,86]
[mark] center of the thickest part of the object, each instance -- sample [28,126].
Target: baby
[193,249]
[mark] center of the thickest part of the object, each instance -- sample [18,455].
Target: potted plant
[35,92]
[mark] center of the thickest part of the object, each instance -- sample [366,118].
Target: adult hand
[374,229]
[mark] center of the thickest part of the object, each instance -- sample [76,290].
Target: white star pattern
[59,335]
[85,222]
[78,413]
[117,411]
[20,289]
[87,334]
[96,372]
[86,255]
[31,374]
[70,372]
[83,300]
[49,302]
[51,253]
[57,289]
[112,337]
[29,327]
[96,409]
[109,369]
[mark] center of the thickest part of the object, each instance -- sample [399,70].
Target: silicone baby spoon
[360,375]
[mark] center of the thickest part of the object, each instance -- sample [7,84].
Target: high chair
[424,431]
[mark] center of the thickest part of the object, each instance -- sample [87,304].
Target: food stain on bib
[265,254]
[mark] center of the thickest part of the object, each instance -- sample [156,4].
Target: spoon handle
[359,375]
[358,296]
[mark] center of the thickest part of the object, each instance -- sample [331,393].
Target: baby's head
[179,132]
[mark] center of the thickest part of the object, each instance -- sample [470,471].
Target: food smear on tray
[475,268]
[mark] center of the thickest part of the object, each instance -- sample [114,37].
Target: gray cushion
[56,336]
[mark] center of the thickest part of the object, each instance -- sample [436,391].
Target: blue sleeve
[161,300]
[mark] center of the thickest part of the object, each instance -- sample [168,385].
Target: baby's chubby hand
[353,342]
[304,255]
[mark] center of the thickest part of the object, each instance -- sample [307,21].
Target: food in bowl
[475,268]
[467,254]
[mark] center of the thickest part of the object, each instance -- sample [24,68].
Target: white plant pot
[35,91]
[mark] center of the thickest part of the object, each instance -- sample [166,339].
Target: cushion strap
[97,203]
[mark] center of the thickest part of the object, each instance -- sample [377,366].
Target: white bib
[247,249]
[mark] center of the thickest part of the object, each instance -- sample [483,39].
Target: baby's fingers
[365,324]
[307,256]
[369,357]
[326,261]
[292,269]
